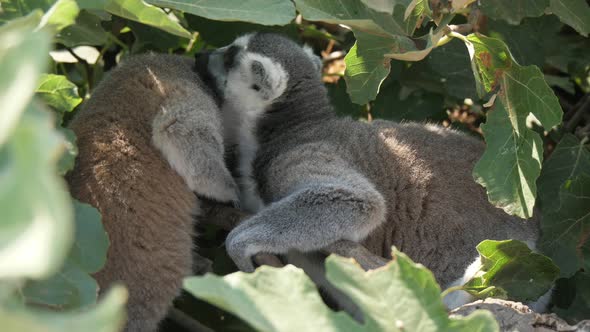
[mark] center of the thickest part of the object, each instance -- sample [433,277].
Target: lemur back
[149,138]
[329,183]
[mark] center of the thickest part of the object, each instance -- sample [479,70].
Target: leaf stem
[450,290]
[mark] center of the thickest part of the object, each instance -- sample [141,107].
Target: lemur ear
[268,78]
[314,58]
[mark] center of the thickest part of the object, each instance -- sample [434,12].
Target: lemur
[150,137]
[336,185]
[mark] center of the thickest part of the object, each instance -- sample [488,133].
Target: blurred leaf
[86,31]
[513,11]
[566,231]
[564,83]
[14,9]
[59,93]
[22,57]
[265,12]
[510,164]
[62,14]
[451,61]
[285,299]
[219,34]
[414,53]
[385,6]
[68,158]
[138,10]
[569,159]
[510,268]
[358,16]
[575,13]
[579,306]
[459,4]
[73,287]
[150,38]
[107,316]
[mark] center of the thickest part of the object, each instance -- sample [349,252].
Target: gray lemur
[338,185]
[149,138]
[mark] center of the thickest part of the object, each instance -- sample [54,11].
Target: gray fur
[326,179]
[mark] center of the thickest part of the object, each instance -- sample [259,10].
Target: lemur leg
[346,248]
[309,219]
[190,138]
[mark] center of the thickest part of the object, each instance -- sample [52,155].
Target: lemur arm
[189,136]
[313,217]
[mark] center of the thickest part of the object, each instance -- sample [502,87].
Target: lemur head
[257,69]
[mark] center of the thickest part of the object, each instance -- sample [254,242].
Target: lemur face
[258,69]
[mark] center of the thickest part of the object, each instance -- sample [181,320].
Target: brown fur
[147,208]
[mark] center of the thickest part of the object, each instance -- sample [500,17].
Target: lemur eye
[229,56]
[255,87]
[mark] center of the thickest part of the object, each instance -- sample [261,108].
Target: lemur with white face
[338,185]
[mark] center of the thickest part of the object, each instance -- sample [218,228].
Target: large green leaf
[565,230]
[510,164]
[401,296]
[385,6]
[569,159]
[512,161]
[107,316]
[138,10]
[59,93]
[22,57]
[358,16]
[510,269]
[451,61]
[265,12]
[271,299]
[575,13]
[577,306]
[513,11]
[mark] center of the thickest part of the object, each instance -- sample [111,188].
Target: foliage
[519,66]
[401,296]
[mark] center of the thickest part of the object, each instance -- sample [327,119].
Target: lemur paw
[238,252]
[218,185]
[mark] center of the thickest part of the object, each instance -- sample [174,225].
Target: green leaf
[59,93]
[68,158]
[86,31]
[271,299]
[62,14]
[399,103]
[569,160]
[385,6]
[285,299]
[451,62]
[575,13]
[22,57]
[265,12]
[89,252]
[356,15]
[513,11]
[578,307]
[342,103]
[510,268]
[107,316]
[138,10]
[565,231]
[510,164]
[377,293]
[512,161]
[73,287]
[36,230]
[366,68]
